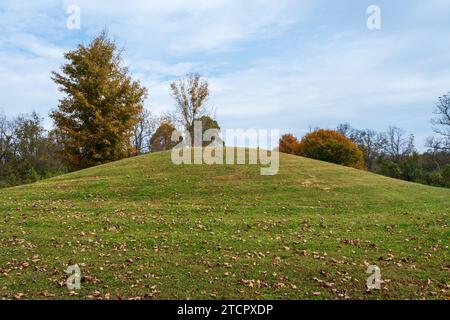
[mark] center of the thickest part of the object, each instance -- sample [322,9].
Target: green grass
[144,228]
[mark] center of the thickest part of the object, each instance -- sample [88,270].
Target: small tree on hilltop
[102,104]
[162,138]
[331,146]
[288,144]
[208,123]
[191,94]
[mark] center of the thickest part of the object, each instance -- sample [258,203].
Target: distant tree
[102,104]
[411,168]
[345,129]
[207,123]
[446,176]
[162,138]
[6,139]
[191,94]
[436,144]
[30,136]
[27,151]
[288,144]
[396,144]
[53,156]
[36,147]
[371,143]
[331,146]
[143,131]
[393,154]
[441,125]
[436,158]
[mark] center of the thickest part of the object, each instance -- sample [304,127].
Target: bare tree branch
[191,94]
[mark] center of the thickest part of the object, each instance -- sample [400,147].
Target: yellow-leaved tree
[101,105]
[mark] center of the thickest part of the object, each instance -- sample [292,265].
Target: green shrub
[446,176]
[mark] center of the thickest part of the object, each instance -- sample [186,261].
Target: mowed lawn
[144,228]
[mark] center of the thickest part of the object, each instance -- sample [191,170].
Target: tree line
[101,118]
[391,153]
[27,151]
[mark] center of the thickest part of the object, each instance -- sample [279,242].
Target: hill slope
[145,228]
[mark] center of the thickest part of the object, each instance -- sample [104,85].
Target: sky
[286,64]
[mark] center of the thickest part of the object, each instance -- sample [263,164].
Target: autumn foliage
[162,139]
[288,144]
[331,146]
[100,107]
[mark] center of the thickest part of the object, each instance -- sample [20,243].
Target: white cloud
[35,46]
[369,79]
[186,26]
[25,84]
[359,80]
[156,68]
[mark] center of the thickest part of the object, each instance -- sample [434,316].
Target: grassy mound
[145,228]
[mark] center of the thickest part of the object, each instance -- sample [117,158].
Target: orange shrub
[331,146]
[288,144]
